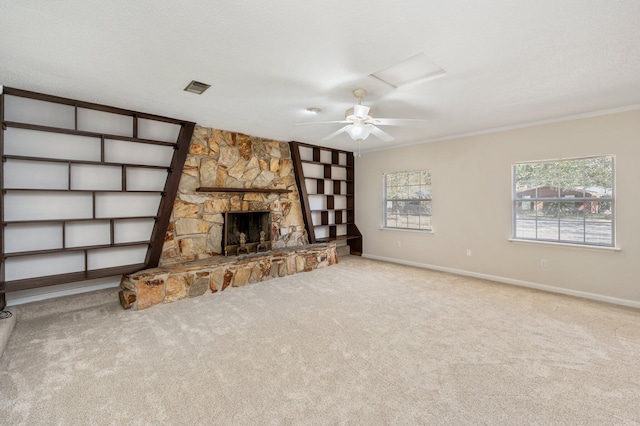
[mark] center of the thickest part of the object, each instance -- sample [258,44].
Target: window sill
[419,231]
[575,246]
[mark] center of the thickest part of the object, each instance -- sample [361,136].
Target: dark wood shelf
[326,164]
[82,190]
[334,180]
[74,132]
[36,282]
[86,162]
[74,249]
[315,147]
[83,219]
[89,105]
[243,190]
[337,195]
[329,210]
[331,224]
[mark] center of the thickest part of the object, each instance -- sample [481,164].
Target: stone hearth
[150,287]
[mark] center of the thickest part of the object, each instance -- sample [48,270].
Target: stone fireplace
[230,166]
[248,185]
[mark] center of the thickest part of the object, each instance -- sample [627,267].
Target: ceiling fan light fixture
[359,124]
[359,132]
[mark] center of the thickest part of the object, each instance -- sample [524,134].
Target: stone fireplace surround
[228,160]
[193,246]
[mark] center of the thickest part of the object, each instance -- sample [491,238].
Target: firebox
[251,224]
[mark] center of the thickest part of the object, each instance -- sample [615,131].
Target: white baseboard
[37,294]
[544,287]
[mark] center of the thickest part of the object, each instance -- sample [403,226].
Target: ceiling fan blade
[361,111]
[323,122]
[381,134]
[401,122]
[334,134]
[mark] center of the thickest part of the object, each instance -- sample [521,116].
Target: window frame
[428,199]
[559,200]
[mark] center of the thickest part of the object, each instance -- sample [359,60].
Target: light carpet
[362,342]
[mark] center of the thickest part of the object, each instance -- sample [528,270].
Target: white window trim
[567,245]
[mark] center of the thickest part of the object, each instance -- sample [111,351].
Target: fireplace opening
[251,224]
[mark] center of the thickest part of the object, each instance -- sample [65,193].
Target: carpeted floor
[362,342]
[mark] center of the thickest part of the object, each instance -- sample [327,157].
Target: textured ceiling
[507,62]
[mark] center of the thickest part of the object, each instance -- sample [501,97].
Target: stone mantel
[245,190]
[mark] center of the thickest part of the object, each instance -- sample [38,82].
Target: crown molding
[513,127]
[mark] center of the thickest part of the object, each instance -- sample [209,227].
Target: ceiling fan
[360,124]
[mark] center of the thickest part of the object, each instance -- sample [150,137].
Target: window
[407,200]
[567,201]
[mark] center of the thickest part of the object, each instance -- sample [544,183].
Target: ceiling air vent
[196,87]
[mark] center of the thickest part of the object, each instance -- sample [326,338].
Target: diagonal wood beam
[169,195]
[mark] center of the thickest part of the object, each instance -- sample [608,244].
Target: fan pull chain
[359,145]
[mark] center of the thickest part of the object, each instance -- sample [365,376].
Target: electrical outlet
[543,263]
[468,252]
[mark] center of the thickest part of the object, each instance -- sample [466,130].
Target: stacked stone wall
[231,160]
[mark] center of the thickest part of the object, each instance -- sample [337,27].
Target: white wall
[472,207]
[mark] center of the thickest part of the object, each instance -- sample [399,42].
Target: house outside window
[565,201]
[407,200]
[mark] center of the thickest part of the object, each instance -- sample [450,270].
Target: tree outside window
[568,201]
[407,200]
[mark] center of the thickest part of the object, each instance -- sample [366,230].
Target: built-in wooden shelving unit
[326,181]
[81,185]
